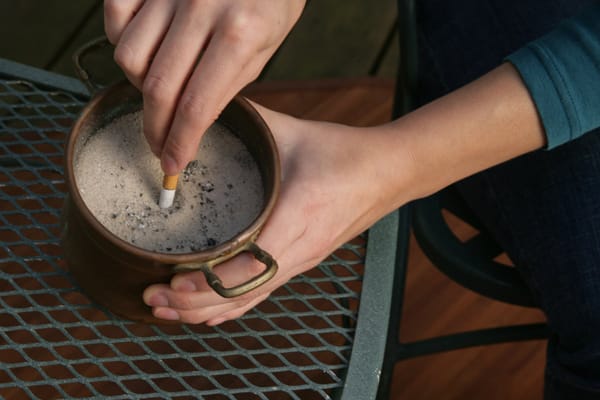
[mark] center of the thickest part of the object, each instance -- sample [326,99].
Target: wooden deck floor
[330,40]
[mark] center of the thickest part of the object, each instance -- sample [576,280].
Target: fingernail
[158,300]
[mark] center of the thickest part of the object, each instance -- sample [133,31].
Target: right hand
[190,58]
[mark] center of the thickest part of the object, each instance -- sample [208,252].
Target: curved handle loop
[214,281]
[84,75]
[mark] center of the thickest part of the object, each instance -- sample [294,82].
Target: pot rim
[250,233]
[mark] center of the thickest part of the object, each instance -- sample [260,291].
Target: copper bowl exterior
[113,272]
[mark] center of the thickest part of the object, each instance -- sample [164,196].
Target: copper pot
[113,272]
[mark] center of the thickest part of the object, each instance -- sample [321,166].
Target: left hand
[337,181]
[328,196]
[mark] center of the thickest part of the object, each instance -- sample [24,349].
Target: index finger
[117,15]
[212,84]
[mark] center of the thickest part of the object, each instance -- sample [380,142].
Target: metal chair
[470,264]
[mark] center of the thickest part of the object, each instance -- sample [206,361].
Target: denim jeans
[543,207]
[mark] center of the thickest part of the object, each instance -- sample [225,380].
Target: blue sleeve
[562,73]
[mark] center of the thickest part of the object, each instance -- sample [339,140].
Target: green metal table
[322,335]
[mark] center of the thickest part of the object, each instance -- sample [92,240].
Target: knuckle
[192,107]
[125,57]
[156,89]
[240,27]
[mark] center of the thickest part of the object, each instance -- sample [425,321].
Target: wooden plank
[352,101]
[334,39]
[100,63]
[93,28]
[31,31]
[330,40]
[435,305]
[389,64]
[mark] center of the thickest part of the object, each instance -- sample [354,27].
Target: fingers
[170,70]
[117,15]
[189,298]
[181,144]
[210,315]
[159,45]
[141,39]
[189,290]
[214,81]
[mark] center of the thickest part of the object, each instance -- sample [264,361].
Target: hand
[329,195]
[337,181]
[189,58]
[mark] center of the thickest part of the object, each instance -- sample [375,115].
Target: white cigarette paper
[166,198]
[167,193]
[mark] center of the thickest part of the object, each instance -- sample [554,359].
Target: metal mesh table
[307,341]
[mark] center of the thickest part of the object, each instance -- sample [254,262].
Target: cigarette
[167,193]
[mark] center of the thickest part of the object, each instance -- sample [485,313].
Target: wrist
[480,125]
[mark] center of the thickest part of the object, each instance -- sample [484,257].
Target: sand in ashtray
[219,193]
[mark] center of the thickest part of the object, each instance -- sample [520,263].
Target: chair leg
[398,351]
[478,337]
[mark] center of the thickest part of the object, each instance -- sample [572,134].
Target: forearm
[488,121]
[553,98]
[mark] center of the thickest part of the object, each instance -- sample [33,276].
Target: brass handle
[214,281]
[84,75]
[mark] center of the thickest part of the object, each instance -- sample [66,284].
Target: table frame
[382,257]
